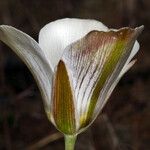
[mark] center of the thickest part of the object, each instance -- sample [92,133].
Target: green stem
[70,142]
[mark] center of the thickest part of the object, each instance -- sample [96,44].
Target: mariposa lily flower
[77,64]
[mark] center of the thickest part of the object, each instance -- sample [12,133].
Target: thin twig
[46,140]
[112,132]
[27,92]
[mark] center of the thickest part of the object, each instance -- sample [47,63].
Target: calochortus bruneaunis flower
[77,64]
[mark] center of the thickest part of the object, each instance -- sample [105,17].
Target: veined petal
[32,55]
[107,91]
[106,94]
[63,109]
[116,61]
[57,35]
[94,63]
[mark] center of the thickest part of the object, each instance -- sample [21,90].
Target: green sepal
[62,101]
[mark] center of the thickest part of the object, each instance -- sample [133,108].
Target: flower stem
[70,142]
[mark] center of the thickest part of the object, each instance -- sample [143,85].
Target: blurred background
[124,123]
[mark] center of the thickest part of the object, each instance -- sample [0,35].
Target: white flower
[77,64]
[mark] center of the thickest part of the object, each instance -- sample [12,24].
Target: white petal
[108,89]
[57,35]
[106,93]
[32,55]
